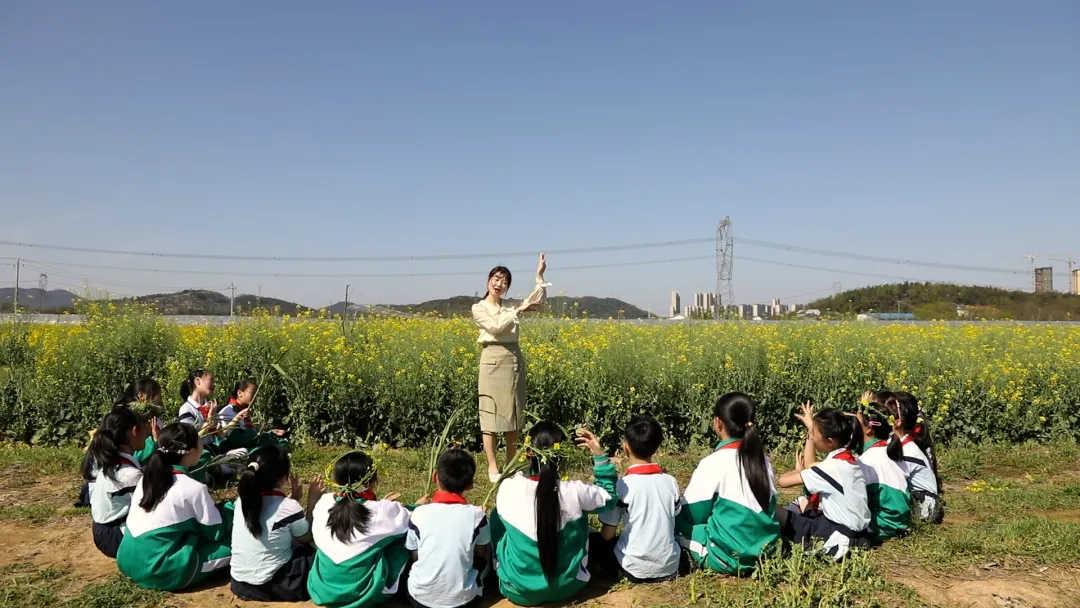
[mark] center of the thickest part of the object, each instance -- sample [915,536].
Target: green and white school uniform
[256,559]
[721,524]
[366,570]
[445,535]
[181,542]
[922,484]
[110,498]
[517,556]
[886,492]
[648,503]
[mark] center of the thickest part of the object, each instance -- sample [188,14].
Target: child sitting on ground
[919,460]
[175,534]
[450,539]
[113,472]
[728,515]
[360,540]
[541,523]
[886,483]
[648,498]
[271,552]
[837,511]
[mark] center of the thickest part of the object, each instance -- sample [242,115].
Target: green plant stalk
[437,449]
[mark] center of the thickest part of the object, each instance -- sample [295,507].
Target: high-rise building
[1044,280]
[676,304]
[1076,282]
[706,302]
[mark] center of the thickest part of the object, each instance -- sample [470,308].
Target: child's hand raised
[424,500]
[297,487]
[806,416]
[866,398]
[800,462]
[392,496]
[315,490]
[587,440]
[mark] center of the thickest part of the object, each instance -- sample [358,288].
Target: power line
[401,258]
[57,267]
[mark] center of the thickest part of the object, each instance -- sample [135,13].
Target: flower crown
[355,487]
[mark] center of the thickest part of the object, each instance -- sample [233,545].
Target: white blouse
[499,324]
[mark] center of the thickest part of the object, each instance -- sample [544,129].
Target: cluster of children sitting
[348,548]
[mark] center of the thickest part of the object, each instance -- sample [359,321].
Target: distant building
[762,310]
[1076,282]
[1044,280]
[676,304]
[709,302]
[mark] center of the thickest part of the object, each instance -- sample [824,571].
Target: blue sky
[940,131]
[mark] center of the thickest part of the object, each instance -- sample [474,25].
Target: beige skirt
[502,388]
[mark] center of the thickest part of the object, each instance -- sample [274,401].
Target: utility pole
[232,297]
[345,310]
[1032,256]
[15,305]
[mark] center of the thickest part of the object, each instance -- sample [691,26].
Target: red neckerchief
[273,493]
[533,477]
[368,495]
[233,401]
[906,440]
[846,456]
[644,469]
[178,472]
[126,460]
[815,502]
[448,498]
[734,445]
[880,444]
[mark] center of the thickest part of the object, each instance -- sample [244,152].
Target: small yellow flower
[556,446]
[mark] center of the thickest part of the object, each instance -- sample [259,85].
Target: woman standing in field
[502,368]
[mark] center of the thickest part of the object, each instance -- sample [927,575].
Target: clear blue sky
[941,131]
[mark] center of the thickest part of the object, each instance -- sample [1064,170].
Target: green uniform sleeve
[605,479]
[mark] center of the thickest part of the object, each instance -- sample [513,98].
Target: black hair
[456,468]
[174,442]
[265,468]
[877,420]
[188,385]
[104,451]
[736,412]
[145,385]
[838,426]
[500,270]
[880,397]
[545,434]
[912,423]
[348,515]
[242,385]
[644,435]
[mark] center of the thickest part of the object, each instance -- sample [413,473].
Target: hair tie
[254,466]
[750,424]
[874,423]
[178,452]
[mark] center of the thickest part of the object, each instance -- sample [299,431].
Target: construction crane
[1074,288]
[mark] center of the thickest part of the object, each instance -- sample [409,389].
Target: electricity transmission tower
[43,282]
[725,262]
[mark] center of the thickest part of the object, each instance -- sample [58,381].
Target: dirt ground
[66,542]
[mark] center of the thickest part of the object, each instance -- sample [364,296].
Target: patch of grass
[25,586]
[118,591]
[35,461]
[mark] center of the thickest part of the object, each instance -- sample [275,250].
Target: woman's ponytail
[264,470]
[104,451]
[737,411]
[174,442]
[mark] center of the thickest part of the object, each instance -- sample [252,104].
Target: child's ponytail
[187,387]
[913,424]
[174,441]
[353,474]
[545,434]
[736,411]
[264,470]
[877,417]
[104,451]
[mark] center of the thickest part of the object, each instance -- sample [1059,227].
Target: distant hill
[940,301]
[461,306]
[37,300]
[210,303]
